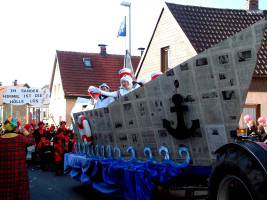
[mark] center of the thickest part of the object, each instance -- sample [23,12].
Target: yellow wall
[69,104]
[168,33]
[258,94]
[19,112]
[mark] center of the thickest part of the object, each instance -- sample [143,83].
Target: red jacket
[59,152]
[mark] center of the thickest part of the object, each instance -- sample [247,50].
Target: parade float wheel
[236,175]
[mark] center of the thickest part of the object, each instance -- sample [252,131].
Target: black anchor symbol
[181,131]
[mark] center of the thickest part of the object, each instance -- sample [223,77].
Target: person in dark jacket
[252,128]
[39,132]
[46,155]
[262,134]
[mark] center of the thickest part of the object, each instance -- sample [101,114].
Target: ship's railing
[106,153]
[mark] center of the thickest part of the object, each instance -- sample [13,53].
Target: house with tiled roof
[20,113]
[184,31]
[74,72]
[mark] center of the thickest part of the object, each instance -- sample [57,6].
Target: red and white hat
[125,71]
[93,90]
[155,75]
[128,79]
[143,81]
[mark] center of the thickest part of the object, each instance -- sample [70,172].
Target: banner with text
[23,95]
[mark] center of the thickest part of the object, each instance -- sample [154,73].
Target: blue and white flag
[122,29]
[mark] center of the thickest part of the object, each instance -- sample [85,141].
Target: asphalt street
[46,185]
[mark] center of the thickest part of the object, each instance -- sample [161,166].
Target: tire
[236,175]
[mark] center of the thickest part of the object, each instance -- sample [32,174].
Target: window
[253,111]
[55,91]
[87,62]
[164,59]
[58,90]
[44,114]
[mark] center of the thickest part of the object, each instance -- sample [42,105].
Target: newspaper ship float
[170,126]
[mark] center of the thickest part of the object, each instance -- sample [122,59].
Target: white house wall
[57,102]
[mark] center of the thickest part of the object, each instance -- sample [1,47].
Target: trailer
[177,132]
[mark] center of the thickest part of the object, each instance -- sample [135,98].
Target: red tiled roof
[205,27]
[76,78]
[4,88]
[261,67]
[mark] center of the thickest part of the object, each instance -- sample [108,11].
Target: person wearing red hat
[38,134]
[51,132]
[94,96]
[60,148]
[155,75]
[125,71]
[128,72]
[63,126]
[46,151]
[14,183]
[27,126]
[126,87]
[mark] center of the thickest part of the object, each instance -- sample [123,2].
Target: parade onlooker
[63,126]
[46,155]
[59,151]
[51,133]
[262,134]
[262,121]
[39,132]
[14,182]
[247,118]
[27,127]
[1,129]
[38,150]
[252,128]
[71,142]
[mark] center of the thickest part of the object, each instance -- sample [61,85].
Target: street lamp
[128,4]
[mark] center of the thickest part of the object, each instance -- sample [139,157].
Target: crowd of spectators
[254,130]
[51,145]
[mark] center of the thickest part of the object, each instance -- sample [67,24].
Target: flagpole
[125,49]
[128,4]
[125,58]
[130,30]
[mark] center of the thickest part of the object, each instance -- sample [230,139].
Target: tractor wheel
[236,175]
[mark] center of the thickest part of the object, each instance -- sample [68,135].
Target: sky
[32,30]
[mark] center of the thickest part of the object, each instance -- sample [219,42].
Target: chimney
[142,50]
[103,51]
[251,5]
[15,82]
